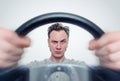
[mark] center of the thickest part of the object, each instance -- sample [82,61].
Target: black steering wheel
[60,17]
[45,19]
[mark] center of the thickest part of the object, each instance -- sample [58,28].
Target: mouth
[58,52]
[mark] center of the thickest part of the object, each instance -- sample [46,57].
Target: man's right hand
[11,47]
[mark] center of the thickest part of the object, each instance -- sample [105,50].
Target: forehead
[58,34]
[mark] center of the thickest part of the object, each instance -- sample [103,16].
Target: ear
[48,41]
[67,42]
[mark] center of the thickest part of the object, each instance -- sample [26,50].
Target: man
[58,38]
[107,49]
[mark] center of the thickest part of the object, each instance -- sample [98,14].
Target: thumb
[93,44]
[23,42]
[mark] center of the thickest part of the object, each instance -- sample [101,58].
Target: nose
[58,47]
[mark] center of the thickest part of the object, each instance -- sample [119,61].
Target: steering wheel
[60,17]
[45,19]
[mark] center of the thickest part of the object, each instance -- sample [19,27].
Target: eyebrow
[63,40]
[60,41]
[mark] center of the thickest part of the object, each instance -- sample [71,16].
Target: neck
[57,59]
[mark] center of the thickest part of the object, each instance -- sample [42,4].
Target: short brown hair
[58,27]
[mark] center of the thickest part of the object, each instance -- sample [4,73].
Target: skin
[58,43]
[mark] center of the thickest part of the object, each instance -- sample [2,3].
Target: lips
[58,52]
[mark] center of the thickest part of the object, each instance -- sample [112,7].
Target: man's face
[58,42]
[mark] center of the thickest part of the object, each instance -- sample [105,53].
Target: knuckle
[109,48]
[110,58]
[3,57]
[117,64]
[4,64]
[10,50]
[20,51]
[11,36]
[97,53]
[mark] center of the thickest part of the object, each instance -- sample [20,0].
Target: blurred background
[104,13]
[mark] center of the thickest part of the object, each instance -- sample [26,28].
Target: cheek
[65,47]
[52,47]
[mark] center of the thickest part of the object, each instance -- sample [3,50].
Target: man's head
[58,36]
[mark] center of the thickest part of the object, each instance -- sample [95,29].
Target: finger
[20,41]
[108,49]
[8,57]
[113,47]
[93,44]
[111,65]
[104,40]
[115,57]
[6,34]
[13,58]
[3,56]
[6,47]
[5,64]
[13,38]
[7,60]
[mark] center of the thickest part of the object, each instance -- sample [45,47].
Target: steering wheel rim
[60,17]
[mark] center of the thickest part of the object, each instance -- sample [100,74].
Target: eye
[54,42]
[63,41]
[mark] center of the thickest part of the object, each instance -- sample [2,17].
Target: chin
[58,56]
